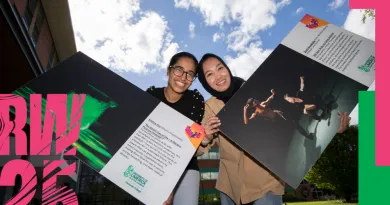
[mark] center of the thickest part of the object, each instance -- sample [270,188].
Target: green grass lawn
[319,203]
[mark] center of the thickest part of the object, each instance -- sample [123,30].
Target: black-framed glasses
[179,71]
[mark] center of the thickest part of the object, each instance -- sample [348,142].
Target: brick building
[209,168]
[35,36]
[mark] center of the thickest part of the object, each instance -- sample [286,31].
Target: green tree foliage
[368,13]
[337,168]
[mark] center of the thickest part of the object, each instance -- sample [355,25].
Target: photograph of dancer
[265,110]
[299,99]
[262,109]
[288,111]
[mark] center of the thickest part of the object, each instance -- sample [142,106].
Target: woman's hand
[344,122]
[211,127]
[169,200]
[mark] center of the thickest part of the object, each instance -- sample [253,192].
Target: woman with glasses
[181,73]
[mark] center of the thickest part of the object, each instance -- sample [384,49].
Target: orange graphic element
[313,22]
[195,133]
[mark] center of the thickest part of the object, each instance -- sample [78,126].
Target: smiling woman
[181,72]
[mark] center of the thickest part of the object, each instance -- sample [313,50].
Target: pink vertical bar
[382,112]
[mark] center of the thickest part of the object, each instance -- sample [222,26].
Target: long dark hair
[235,83]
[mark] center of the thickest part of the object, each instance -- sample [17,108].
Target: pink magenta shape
[59,194]
[29,180]
[61,197]
[382,74]
[69,170]
[55,113]
[72,200]
[76,113]
[7,127]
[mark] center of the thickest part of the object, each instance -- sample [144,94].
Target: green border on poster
[373,181]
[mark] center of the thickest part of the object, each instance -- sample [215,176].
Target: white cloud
[354,24]
[191,29]
[299,10]
[252,17]
[185,4]
[214,11]
[167,54]
[245,63]
[120,36]
[336,4]
[283,3]
[217,36]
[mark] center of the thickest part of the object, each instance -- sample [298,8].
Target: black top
[191,105]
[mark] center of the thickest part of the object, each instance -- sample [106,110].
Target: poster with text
[286,113]
[124,134]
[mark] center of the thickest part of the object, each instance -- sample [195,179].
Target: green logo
[367,65]
[364,68]
[134,176]
[128,171]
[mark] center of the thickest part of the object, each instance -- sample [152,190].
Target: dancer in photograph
[262,109]
[300,101]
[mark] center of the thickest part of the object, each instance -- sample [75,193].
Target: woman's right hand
[169,200]
[211,127]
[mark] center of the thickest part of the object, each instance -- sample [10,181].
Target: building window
[208,176]
[53,58]
[210,155]
[35,35]
[29,12]
[214,175]
[213,155]
[205,176]
[37,26]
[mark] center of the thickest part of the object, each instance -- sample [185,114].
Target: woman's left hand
[344,122]
[211,127]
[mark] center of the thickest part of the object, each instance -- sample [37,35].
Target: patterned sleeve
[197,110]
[150,89]
[153,91]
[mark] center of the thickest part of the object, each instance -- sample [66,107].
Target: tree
[368,13]
[337,168]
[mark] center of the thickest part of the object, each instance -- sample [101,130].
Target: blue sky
[136,38]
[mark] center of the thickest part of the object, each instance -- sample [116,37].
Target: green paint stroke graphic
[92,111]
[373,180]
